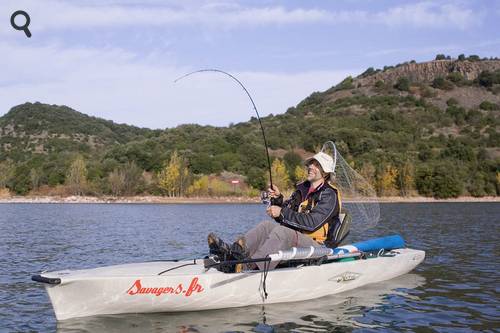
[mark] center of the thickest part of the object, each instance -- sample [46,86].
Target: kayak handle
[43,279]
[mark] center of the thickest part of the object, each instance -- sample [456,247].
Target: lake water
[455,289]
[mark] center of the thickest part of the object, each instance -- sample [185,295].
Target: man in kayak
[310,217]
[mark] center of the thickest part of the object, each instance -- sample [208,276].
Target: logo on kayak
[345,277]
[138,289]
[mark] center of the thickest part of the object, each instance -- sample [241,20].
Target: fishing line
[253,104]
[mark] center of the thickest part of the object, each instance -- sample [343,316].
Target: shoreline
[205,200]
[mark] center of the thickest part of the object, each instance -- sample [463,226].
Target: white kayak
[172,286]
[340,308]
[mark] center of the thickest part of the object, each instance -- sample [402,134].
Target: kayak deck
[154,268]
[171,286]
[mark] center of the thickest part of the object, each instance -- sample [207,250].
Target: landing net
[359,198]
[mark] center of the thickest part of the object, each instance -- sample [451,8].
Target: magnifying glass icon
[23,27]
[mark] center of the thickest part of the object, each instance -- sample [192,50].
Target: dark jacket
[322,207]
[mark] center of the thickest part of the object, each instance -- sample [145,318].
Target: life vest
[320,234]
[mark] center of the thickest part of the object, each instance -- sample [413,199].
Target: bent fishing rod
[253,104]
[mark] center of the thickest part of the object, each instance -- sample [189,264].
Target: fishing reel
[265,198]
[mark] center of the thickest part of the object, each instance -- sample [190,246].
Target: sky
[118,59]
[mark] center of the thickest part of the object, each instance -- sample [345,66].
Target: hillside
[430,128]
[42,128]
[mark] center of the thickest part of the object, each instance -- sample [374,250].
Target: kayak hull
[167,286]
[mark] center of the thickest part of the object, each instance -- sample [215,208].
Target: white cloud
[53,14]
[427,14]
[117,85]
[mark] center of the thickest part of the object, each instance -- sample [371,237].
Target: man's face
[314,172]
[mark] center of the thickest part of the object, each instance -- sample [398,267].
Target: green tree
[424,181]
[446,182]
[21,182]
[459,151]
[478,184]
[76,178]
[257,178]
[7,170]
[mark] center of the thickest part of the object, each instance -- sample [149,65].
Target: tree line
[176,179]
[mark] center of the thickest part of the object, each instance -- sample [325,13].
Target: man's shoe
[239,249]
[218,247]
[240,252]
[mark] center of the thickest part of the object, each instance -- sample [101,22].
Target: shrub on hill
[442,83]
[442,57]
[488,79]
[347,83]
[456,77]
[489,106]
[369,71]
[403,84]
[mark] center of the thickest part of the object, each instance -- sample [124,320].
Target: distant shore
[205,200]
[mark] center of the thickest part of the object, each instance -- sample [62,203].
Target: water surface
[454,290]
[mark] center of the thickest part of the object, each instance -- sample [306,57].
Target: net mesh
[359,198]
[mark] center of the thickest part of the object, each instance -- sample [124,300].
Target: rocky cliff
[428,71]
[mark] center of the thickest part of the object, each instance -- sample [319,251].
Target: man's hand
[273,211]
[274,192]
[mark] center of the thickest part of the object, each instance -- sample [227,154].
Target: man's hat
[325,160]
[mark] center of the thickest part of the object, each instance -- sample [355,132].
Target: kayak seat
[341,230]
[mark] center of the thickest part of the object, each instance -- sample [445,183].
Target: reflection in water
[326,314]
